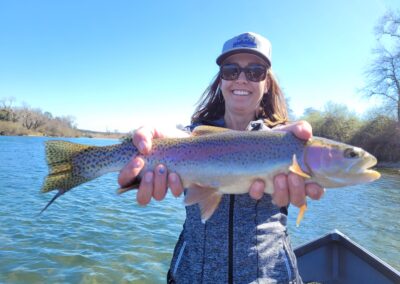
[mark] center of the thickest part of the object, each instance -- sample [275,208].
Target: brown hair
[273,111]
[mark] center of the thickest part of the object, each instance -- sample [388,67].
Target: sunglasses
[253,72]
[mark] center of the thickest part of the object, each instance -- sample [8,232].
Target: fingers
[143,137]
[302,129]
[314,191]
[297,190]
[128,174]
[280,196]
[160,182]
[257,189]
[145,191]
[291,188]
[175,184]
[154,185]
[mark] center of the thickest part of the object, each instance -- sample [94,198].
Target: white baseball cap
[249,43]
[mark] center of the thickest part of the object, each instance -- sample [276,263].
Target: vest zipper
[230,239]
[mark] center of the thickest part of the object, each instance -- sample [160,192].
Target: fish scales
[216,161]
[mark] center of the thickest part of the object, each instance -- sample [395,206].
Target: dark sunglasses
[253,72]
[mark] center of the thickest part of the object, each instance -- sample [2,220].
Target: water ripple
[93,235]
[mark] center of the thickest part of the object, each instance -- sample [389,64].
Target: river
[92,235]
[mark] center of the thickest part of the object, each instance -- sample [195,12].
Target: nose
[242,77]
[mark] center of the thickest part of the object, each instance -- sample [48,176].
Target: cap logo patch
[245,40]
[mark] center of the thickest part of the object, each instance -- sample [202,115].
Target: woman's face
[241,95]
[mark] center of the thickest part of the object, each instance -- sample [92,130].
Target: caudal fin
[59,155]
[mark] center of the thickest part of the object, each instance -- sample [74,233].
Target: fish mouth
[366,168]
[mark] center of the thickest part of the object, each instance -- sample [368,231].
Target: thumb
[143,138]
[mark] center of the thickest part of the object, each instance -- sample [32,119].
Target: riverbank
[83,135]
[53,128]
[389,167]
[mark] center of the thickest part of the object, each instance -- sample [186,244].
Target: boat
[335,258]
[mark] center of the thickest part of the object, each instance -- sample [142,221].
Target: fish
[214,161]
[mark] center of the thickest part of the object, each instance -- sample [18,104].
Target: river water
[92,235]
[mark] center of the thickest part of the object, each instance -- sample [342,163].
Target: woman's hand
[290,188]
[154,183]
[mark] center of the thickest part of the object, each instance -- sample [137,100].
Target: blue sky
[120,64]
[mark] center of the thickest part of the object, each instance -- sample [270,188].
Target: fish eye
[351,153]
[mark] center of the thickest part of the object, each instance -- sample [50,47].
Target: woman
[246,239]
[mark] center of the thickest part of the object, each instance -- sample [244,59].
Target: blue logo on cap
[245,40]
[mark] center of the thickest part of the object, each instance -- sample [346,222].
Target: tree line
[376,132]
[25,120]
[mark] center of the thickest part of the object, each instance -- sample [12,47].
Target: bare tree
[31,118]
[383,75]
[7,111]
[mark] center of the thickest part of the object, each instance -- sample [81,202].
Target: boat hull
[334,258]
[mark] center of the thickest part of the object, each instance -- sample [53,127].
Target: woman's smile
[240,92]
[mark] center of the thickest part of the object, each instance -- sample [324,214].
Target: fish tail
[59,193]
[59,155]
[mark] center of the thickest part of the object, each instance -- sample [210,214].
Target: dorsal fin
[207,130]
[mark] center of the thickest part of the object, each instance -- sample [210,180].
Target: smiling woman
[244,96]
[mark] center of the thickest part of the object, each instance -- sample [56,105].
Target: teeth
[241,92]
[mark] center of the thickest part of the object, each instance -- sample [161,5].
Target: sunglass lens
[256,73]
[230,72]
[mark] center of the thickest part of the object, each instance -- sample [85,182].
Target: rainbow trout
[216,161]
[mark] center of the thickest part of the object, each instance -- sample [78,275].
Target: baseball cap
[249,43]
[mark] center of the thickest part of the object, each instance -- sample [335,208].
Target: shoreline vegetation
[27,121]
[7,129]
[15,129]
[377,132]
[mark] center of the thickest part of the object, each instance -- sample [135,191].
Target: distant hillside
[98,134]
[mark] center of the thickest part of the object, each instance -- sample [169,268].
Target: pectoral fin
[208,199]
[295,168]
[134,185]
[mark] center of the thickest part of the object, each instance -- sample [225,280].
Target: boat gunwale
[339,238]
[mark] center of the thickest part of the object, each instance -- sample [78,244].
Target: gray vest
[245,241]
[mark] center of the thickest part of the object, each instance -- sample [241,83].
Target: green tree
[380,136]
[335,122]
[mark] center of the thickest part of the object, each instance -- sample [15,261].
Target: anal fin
[300,216]
[208,199]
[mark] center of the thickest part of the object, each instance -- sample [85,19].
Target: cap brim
[225,55]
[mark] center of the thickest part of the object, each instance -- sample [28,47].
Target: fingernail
[313,191]
[137,163]
[296,180]
[281,183]
[172,177]
[148,177]
[161,170]
[141,146]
